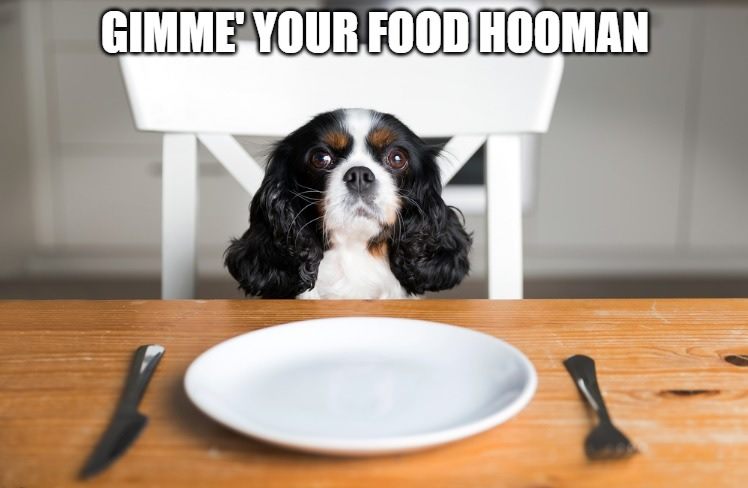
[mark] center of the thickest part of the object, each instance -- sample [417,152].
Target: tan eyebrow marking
[381,137]
[336,140]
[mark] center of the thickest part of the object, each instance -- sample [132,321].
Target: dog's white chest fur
[350,271]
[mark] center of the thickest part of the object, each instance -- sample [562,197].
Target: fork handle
[582,370]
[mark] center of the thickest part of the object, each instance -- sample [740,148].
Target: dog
[350,207]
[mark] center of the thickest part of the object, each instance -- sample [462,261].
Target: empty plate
[361,385]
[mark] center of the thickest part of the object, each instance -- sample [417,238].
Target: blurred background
[639,189]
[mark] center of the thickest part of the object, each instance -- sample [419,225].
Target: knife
[127,422]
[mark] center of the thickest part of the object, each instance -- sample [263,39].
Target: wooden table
[673,372]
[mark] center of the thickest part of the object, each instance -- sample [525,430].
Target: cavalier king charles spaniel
[350,207]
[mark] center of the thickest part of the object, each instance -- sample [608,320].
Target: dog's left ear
[429,246]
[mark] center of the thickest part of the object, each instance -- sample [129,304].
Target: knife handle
[143,364]
[582,370]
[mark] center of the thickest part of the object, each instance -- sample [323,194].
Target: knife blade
[127,423]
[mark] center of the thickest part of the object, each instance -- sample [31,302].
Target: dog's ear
[429,246]
[279,255]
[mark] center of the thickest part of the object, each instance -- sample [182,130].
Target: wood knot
[740,360]
[688,393]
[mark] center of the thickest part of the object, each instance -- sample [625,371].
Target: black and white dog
[350,207]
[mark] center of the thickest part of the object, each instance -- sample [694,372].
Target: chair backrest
[254,94]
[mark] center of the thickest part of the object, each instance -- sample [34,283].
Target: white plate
[361,385]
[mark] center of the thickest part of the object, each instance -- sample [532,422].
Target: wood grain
[662,367]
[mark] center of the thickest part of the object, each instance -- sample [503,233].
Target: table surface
[673,373]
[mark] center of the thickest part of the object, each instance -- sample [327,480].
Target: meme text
[399,31]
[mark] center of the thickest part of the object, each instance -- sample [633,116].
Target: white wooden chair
[475,99]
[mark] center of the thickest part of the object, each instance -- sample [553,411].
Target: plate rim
[367,446]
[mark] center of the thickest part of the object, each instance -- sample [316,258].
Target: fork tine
[607,442]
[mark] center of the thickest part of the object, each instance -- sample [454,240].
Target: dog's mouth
[366,212]
[365,208]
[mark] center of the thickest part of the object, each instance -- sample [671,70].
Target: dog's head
[350,175]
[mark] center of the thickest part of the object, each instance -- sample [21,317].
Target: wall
[15,192]
[643,170]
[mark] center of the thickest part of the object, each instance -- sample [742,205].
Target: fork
[605,441]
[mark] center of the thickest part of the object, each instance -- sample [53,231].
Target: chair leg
[504,216]
[179,225]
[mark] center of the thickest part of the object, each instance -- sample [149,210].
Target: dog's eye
[397,159]
[320,159]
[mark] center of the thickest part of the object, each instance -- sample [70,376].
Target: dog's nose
[359,179]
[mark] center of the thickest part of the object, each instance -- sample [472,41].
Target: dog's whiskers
[310,189]
[302,228]
[415,203]
[290,227]
[305,198]
[399,224]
